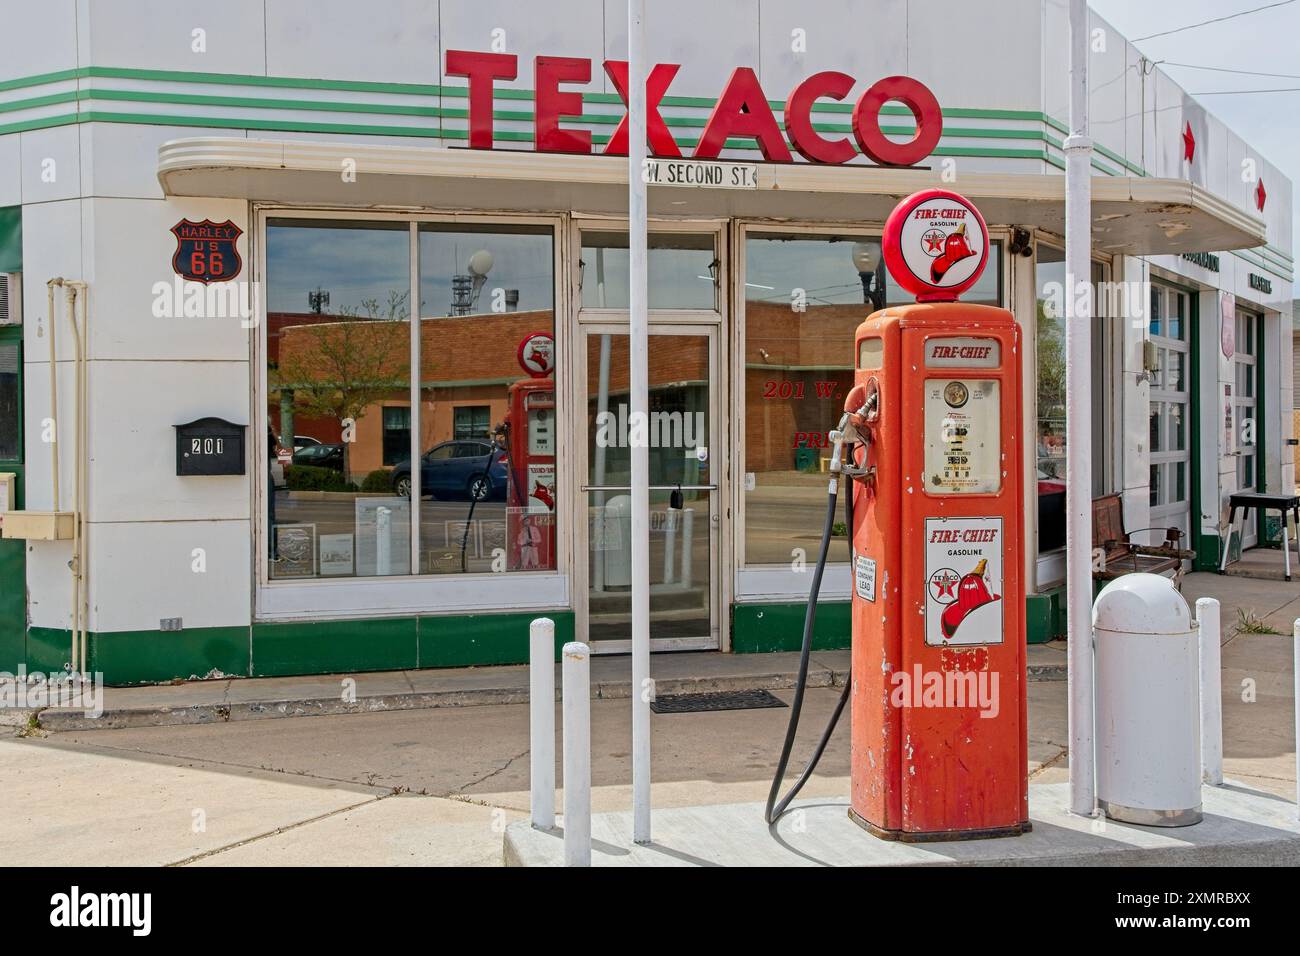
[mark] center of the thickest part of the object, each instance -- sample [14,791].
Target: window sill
[336,598]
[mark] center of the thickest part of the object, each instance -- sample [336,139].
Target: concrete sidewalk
[1266,606]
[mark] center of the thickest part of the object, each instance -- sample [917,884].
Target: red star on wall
[1189,143]
[1260,195]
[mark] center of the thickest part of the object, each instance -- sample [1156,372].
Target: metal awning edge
[214,153]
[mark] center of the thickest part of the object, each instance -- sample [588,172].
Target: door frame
[1191,449]
[674,323]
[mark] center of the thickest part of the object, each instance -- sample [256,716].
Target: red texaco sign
[742,111]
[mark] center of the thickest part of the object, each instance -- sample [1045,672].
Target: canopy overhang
[1131,215]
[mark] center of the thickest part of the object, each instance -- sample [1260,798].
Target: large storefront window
[488,436]
[338,350]
[805,296]
[342,419]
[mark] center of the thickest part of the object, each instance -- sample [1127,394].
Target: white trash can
[1148,703]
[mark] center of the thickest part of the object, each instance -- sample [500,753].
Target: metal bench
[1123,556]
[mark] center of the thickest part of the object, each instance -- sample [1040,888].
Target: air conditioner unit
[11,298]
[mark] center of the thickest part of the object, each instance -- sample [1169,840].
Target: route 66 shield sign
[207,251]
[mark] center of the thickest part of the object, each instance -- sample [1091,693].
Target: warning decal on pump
[963,581]
[865,578]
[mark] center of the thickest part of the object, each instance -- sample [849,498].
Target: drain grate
[715,700]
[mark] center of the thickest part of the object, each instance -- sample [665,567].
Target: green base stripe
[290,648]
[148,657]
[486,638]
[315,647]
[766,628]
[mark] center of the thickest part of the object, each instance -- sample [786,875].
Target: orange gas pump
[530,450]
[930,447]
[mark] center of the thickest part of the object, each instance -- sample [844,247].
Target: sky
[1267,41]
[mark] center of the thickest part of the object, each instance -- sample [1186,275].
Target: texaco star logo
[943,585]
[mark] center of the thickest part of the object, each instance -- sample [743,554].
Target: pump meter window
[541,423]
[963,440]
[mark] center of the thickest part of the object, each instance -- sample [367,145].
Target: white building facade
[374,288]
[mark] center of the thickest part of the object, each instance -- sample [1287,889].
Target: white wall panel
[50,164]
[389,41]
[142,572]
[134,246]
[134,406]
[160,35]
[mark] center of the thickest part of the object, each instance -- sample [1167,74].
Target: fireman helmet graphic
[935,245]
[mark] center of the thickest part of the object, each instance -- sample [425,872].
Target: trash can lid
[1142,603]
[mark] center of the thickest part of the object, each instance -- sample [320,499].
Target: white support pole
[576,688]
[1078,417]
[638,356]
[541,721]
[1207,618]
[1295,702]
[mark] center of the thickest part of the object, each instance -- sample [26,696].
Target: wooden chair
[1123,556]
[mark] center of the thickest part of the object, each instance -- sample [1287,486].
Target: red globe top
[936,244]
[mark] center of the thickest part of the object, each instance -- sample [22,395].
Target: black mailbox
[210,446]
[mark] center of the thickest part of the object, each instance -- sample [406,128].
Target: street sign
[680,172]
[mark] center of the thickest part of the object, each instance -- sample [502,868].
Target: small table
[1247,500]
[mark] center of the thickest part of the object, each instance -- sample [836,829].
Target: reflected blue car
[461,469]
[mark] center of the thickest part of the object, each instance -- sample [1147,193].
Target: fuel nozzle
[861,409]
[862,405]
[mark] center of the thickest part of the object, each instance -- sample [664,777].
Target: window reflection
[682,267]
[487,426]
[341,423]
[338,355]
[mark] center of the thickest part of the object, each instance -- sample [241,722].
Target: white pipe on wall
[50,323]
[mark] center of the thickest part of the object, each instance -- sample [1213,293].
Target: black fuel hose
[775,809]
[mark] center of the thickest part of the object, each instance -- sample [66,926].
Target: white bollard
[541,720]
[1295,633]
[1208,621]
[576,688]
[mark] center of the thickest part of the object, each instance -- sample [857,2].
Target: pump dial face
[955,394]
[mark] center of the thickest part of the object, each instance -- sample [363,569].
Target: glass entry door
[1245,397]
[685,463]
